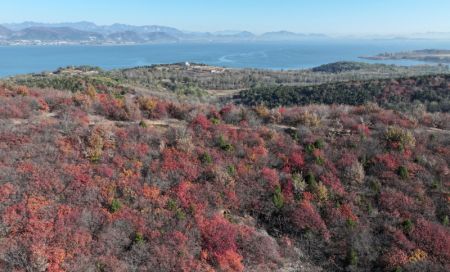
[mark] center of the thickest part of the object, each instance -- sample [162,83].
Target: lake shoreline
[273,56]
[426,55]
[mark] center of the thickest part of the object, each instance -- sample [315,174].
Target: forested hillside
[194,79]
[108,177]
[402,93]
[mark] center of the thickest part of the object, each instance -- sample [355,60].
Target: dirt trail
[223,93]
[98,119]
[33,119]
[437,130]
[172,123]
[162,123]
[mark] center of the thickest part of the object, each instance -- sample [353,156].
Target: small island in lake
[428,55]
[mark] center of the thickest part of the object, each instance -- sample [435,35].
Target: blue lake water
[295,55]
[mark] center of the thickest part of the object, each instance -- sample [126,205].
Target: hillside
[198,80]
[429,55]
[142,180]
[55,34]
[402,93]
[4,32]
[346,66]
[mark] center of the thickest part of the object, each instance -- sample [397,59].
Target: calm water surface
[29,59]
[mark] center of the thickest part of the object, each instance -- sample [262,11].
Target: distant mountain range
[4,32]
[32,33]
[91,33]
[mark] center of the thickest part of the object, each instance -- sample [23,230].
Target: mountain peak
[85,31]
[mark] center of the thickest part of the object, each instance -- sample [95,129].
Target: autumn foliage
[106,182]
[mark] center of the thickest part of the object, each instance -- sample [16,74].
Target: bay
[275,55]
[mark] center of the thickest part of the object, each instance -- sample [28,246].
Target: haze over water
[289,55]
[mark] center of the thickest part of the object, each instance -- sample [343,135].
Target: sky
[307,16]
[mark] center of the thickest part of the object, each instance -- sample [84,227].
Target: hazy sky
[324,16]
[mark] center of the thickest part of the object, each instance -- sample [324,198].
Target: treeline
[73,82]
[346,66]
[432,91]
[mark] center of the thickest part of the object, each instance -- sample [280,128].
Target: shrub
[23,90]
[202,122]
[331,180]
[143,124]
[205,158]
[418,255]
[112,108]
[219,239]
[403,172]
[363,129]
[230,261]
[306,217]
[147,104]
[352,258]
[231,169]
[178,164]
[115,205]
[351,224]
[91,91]
[397,203]
[388,160]
[95,145]
[219,235]
[215,121]
[319,144]
[271,177]
[318,157]
[394,259]
[6,190]
[258,249]
[224,144]
[407,225]
[278,199]
[172,205]
[354,173]
[296,160]
[305,118]
[299,183]
[322,192]
[310,148]
[262,111]
[347,213]
[138,238]
[399,138]
[432,237]
[311,180]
